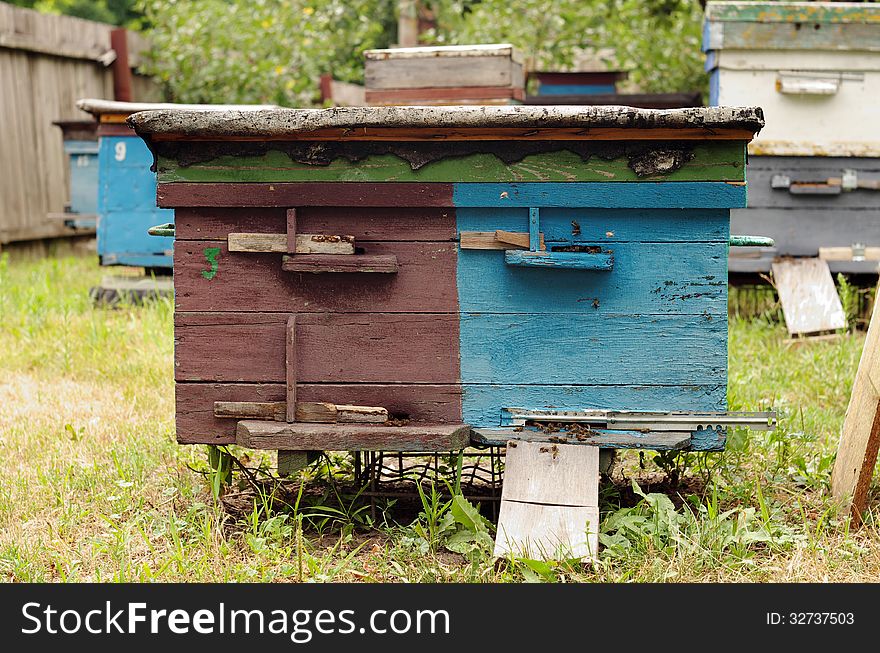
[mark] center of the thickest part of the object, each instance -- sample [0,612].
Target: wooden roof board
[481,50]
[293,123]
[99,107]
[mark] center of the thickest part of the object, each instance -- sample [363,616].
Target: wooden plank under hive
[433,316]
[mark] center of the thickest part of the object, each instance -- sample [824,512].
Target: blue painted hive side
[127,206]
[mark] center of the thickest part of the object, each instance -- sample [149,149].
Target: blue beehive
[126,191]
[81,147]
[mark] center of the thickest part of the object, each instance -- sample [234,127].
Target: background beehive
[466,74]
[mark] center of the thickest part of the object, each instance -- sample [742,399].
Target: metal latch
[847,181]
[649,421]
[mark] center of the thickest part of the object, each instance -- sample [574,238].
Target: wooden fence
[48,62]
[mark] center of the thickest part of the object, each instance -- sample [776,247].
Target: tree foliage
[657,41]
[262,51]
[274,51]
[114,12]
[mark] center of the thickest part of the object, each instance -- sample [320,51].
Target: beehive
[80,143]
[126,200]
[814,171]
[443,75]
[531,257]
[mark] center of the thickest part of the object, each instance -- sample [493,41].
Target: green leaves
[274,51]
[471,538]
[261,51]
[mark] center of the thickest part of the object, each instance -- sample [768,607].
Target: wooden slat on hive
[648,194]
[420,403]
[588,348]
[446,95]
[648,278]
[488,133]
[331,347]
[658,440]
[425,281]
[386,224]
[600,226]
[514,162]
[351,437]
[790,36]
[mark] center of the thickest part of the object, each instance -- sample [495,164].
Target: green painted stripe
[776,12]
[720,161]
[792,36]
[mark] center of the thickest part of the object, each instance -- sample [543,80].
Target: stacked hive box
[461,74]
[586,82]
[600,87]
[814,173]
[495,257]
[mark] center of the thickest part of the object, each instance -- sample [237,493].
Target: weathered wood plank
[495,240]
[535,531]
[555,349]
[278,243]
[291,367]
[647,278]
[425,281]
[551,473]
[593,348]
[446,96]
[657,441]
[611,195]
[356,348]
[327,263]
[808,296]
[860,437]
[580,226]
[790,36]
[351,437]
[292,233]
[386,224]
[275,410]
[596,261]
[427,72]
[792,12]
[718,162]
[306,411]
[705,132]
[196,423]
[348,414]
[300,194]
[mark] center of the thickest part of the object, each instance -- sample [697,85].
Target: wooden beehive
[443,75]
[126,196]
[535,257]
[814,172]
[81,146]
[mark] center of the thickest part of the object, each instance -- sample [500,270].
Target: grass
[94,487]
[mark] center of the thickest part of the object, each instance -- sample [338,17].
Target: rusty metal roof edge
[270,123]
